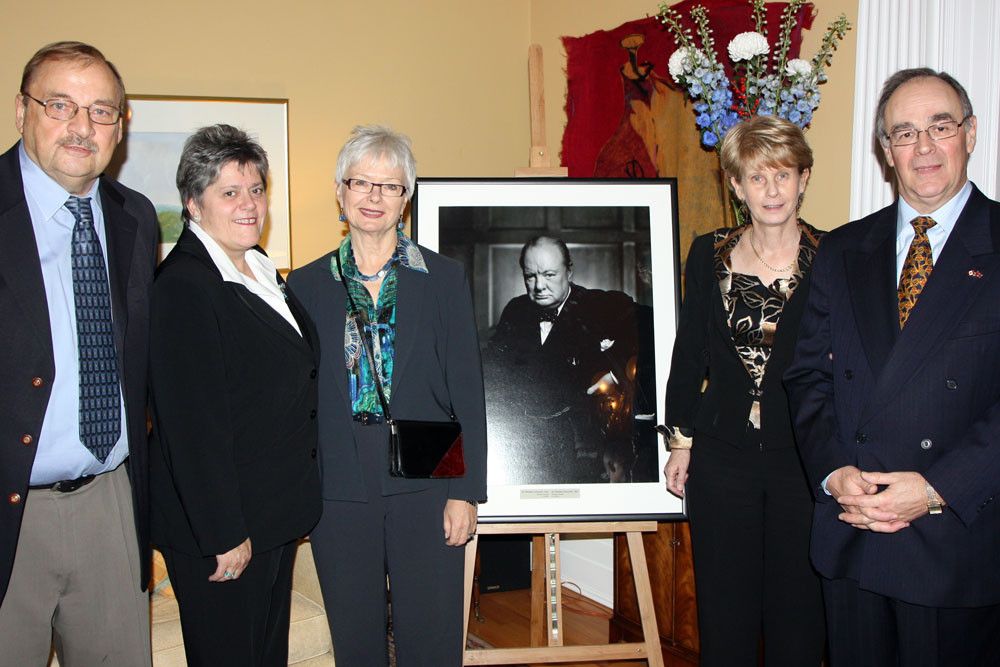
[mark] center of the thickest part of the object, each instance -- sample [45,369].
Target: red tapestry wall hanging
[627,119]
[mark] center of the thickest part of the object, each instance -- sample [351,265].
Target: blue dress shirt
[60,454]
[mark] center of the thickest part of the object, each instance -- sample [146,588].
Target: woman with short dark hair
[233,379]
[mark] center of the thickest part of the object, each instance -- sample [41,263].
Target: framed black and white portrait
[576,286]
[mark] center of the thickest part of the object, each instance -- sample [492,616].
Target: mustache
[78,141]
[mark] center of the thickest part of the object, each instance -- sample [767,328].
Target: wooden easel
[539,162]
[551,578]
[546,579]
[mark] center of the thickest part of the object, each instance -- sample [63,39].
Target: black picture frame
[547,463]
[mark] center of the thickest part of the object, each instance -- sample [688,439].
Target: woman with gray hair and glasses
[233,383]
[415,312]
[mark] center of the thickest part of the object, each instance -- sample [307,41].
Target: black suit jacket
[436,369]
[27,366]
[704,348]
[924,399]
[233,388]
[572,357]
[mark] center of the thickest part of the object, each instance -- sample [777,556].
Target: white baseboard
[588,564]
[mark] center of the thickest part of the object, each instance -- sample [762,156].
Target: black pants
[243,623]
[750,513]
[357,543]
[871,630]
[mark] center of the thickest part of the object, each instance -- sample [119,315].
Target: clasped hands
[903,499]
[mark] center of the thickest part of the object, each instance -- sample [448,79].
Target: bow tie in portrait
[547,314]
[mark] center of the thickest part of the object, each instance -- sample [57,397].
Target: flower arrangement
[765,80]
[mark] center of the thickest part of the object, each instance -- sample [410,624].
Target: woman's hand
[232,563]
[676,471]
[459,522]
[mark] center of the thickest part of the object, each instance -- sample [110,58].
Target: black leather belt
[369,418]
[66,485]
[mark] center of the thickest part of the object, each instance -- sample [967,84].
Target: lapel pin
[975,274]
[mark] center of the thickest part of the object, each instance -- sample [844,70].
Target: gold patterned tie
[916,269]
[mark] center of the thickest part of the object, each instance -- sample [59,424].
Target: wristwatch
[933,501]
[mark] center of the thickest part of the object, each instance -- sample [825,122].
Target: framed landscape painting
[155,132]
[576,288]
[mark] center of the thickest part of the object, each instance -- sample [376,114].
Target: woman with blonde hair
[732,451]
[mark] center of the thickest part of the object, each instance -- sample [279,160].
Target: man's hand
[892,509]
[847,482]
[607,381]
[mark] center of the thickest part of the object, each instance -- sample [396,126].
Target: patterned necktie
[916,269]
[100,406]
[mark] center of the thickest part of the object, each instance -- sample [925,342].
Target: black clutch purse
[423,450]
[417,449]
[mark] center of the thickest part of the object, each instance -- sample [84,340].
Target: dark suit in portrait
[890,418]
[541,387]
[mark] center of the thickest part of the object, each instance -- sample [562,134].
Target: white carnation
[747,45]
[676,64]
[798,67]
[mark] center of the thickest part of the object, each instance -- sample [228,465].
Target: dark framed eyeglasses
[387,189]
[60,109]
[908,136]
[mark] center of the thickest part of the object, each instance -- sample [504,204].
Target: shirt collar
[407,254]
[944,217]
[47,194]
[261,265]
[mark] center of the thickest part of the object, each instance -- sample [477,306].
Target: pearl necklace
[761,259]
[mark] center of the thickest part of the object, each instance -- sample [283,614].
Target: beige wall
[827,203]
[451,73]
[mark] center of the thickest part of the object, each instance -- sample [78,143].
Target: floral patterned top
[753,308]
[378,321]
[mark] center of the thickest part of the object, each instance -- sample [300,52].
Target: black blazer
[27,366]
[436,369]
[926,399]
[704,348]
[233,390]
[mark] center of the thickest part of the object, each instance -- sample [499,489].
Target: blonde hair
[767,141]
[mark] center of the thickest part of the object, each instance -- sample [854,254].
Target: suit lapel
[871,284]
[411,290]
[20,268]
[119,230]
[951,289]
[189,244]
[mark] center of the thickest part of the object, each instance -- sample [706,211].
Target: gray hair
[206,152]
[905,75]
[547,240]
[370,142]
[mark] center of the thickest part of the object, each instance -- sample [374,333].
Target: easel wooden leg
[644,593]
[470,572]
[536,613]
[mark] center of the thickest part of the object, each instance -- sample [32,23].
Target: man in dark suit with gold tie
[895,388]
[77,252]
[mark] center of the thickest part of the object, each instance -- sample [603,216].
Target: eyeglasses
[59,109]
[387,189]
[938,131]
